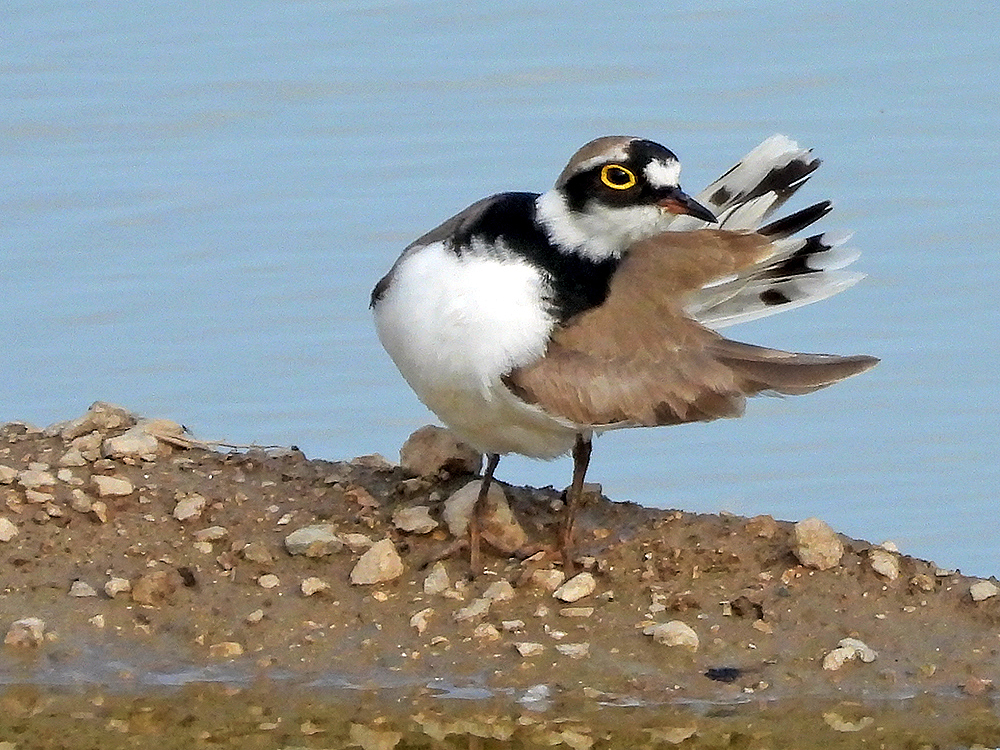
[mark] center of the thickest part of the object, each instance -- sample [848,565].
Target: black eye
[617,177]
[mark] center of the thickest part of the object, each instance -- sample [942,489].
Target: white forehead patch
[618,154]
[663,174]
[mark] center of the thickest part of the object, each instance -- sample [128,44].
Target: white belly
[454,325]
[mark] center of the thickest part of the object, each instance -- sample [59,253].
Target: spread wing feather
[640,359]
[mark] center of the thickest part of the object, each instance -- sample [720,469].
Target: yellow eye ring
[615,176]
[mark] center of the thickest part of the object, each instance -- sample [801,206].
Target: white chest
[454,325]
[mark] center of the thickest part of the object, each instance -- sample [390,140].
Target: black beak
[676,201]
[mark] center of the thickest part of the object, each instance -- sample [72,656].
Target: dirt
[224,619]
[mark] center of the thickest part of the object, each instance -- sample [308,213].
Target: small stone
[80,501]
[115,586]
[923,582]
[375,461]
[547,579]
[576,612]
[112,486]
[226,650]
[313,585]
[158,587]
[437,580]
[763,526]
[983,590]
[189,506]
[847,650]
[316,540]
[102,417]
[432,450]
[484,631]
[512,626]
[268,581]
[35,479]
[420,619]
[574,650]
[474,611]
[380,563]
[97,621]
[7,474]
[528,648]
[816,544]
[26,632]
[257,552]
[88,445]
[73,457]
[884,563]
[211,534]
[99,509]
[8,529]
[577,587]
[67,476]
[673,633]
[499,591]
[498,525]
[135,443]
[81,589]
[254,617]
[415,519]
[38,498]
[356,542]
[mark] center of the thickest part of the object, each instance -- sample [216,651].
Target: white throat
[599,232]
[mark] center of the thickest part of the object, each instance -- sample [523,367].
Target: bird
[531,322]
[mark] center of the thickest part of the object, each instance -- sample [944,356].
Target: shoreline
[127,537]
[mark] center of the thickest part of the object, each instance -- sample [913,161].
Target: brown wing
[638,359]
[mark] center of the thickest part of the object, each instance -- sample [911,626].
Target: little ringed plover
[530,322]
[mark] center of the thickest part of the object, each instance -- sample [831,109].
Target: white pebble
[983,590]
[486,632]
[112,486]
[116,586]
[414,520]
[847,650]
[499,591]
[577,587]
[268,581]
[420,619]
[437,580]
[313,585]
[673,633]
[884,563]
[529,649]
[8,529]
[380,563]
[816,544]
[189,506]
[81,589]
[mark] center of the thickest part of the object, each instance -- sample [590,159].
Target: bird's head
[616,190]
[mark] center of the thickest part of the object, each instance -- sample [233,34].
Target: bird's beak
[676,201]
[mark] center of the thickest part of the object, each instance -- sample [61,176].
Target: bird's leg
[492,459]
[581,459]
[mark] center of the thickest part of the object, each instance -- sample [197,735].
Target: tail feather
[800,271]
[787,373]
[796,222]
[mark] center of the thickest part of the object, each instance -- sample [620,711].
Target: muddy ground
[179,574]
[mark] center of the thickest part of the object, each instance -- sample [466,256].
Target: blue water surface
[196,199]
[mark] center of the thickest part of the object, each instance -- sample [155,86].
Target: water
[195,200]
